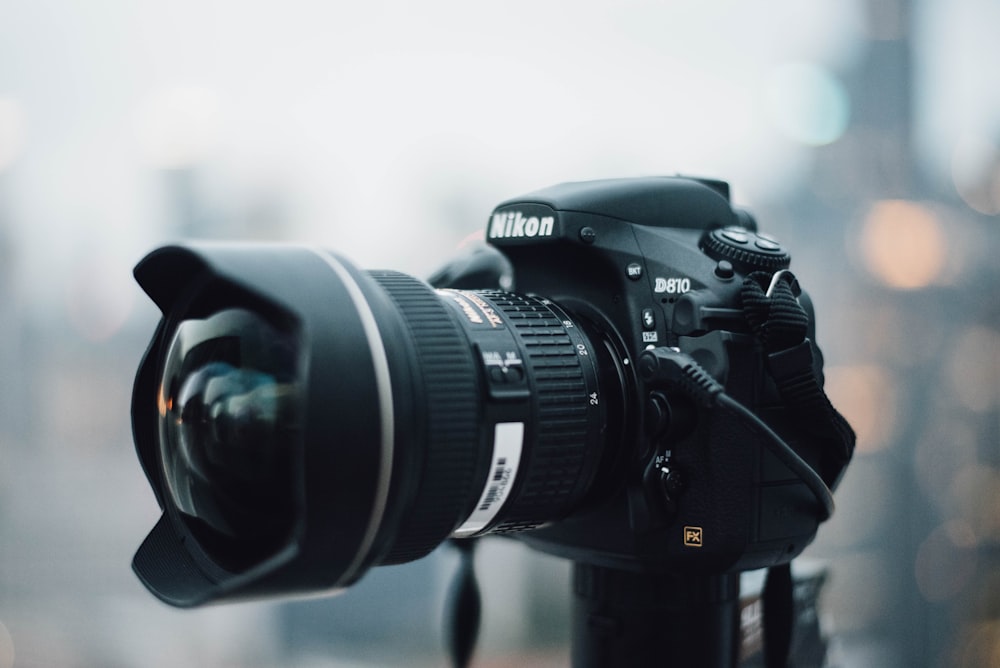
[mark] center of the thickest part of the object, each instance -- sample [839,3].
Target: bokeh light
[807,103]
[975,493]
[903,245]
[975,171]
[978,646]
[11,132]
[868,396]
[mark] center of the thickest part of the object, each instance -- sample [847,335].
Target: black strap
[465,606]
[779,615]
[781,325]
[772,308]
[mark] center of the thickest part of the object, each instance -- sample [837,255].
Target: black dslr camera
[646,400]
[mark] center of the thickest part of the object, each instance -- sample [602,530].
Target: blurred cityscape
[864,134]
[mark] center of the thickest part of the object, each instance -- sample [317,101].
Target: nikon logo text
[512,224]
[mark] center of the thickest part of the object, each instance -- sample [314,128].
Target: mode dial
[746,250]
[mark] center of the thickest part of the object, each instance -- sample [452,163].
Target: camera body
[660,262]
[301,420]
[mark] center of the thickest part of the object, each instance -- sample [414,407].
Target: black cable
[784,452]
[681,371]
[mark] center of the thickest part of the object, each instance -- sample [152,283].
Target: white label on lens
[508,439]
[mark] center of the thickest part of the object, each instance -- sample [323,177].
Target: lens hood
[340,453]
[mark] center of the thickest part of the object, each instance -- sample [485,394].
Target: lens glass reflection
[227,407]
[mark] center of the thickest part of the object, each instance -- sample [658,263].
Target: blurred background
[865,134]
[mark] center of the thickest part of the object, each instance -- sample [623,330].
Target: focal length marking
[514,224]
[476,310]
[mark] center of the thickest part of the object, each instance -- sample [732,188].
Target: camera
[627,378]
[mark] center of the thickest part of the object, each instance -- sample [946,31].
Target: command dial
[747,250]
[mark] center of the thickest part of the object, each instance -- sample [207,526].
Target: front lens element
[227,422]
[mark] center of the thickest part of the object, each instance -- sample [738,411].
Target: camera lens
[227,407]
[302,420]
[536,374]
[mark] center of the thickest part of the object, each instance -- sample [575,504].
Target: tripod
[621,618]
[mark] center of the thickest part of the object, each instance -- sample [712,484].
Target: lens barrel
[564,417]
[301,420]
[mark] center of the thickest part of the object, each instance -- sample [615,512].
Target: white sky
[375,121]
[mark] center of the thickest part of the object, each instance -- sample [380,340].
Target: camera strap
[780,324]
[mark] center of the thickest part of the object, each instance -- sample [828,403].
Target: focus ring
[449,401]
[561,387]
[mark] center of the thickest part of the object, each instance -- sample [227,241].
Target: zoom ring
[562,384]
[447,376]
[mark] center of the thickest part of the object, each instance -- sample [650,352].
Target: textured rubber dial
[747,251]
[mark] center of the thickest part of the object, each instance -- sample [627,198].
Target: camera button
[725,270]
[671,480]
[634,271]
[736,236]
[515,374]
[648,319]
